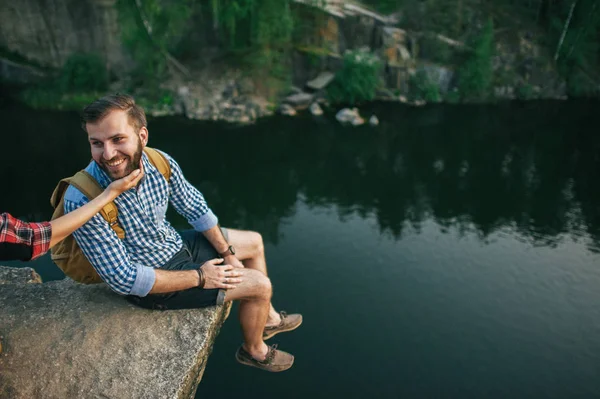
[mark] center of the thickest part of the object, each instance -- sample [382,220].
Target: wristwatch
[229,251]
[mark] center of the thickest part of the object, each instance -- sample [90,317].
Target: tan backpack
[66,254]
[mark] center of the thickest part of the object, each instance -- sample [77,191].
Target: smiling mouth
[114,164]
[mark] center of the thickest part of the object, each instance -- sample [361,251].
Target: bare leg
[249,249]
[254,293]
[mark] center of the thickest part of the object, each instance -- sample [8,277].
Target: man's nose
[109,152]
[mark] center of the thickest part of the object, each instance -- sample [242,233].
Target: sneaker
[289,322]
[275,361]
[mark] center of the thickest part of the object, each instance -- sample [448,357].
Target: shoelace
[270,354]
[283,315]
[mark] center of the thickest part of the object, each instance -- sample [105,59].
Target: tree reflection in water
[530,168]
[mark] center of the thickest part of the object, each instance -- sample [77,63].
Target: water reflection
[527,167]
[530,168]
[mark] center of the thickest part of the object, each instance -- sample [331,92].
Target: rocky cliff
[46,33]
[66,340]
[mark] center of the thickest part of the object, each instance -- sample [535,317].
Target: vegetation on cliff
[490,46]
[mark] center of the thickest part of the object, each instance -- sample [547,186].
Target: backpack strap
[159,161]
[89,187]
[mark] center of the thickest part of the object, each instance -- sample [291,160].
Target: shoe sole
[252,364]
[275,332]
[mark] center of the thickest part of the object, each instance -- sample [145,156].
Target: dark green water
[452,252]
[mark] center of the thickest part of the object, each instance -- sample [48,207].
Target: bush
[84,73]
[475,75]
[525,92]
[423,88]
[452,96]
[82,79]
[48,96]
[358,79]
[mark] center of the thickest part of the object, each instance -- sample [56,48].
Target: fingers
[233,273]
[220,275]
[229,278]
[135,177]
[229,283]
[214,262]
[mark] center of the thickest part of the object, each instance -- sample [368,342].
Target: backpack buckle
[111,224]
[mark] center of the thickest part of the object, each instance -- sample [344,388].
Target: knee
[258,247]
[264,289]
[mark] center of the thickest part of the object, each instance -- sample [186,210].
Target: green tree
[475,75]
[151,30]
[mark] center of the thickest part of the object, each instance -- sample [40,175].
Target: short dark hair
[98,109]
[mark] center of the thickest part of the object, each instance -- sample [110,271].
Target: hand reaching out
[125,183]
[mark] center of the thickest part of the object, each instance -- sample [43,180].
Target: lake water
[451,252]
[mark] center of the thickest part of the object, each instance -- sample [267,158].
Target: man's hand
[233,261]
[220,276]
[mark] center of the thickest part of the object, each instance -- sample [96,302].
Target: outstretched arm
[67,224]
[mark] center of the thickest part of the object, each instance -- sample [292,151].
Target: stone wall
[47,32]
[66,340]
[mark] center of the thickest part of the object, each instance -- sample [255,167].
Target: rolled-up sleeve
[188,201]
[109,257]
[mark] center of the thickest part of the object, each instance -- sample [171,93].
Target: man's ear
[144,136]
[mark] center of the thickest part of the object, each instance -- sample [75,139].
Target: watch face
[232,250]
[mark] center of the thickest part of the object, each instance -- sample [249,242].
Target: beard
[131,163]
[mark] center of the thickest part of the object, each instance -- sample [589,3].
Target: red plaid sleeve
[35,235]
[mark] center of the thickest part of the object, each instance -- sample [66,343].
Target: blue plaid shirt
[127,265]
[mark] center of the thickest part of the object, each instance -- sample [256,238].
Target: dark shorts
[195,251]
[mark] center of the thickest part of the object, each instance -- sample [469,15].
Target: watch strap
[227,252]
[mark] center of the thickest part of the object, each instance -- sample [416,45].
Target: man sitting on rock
[156,267]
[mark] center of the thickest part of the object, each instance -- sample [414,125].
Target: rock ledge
[66,340]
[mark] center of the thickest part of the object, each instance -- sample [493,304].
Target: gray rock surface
[11,71]
[315,109]
[351,116]
[49,32]
[300,100]
[22,275]
[66,340]
[286,109]
[321,81]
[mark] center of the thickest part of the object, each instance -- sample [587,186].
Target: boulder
[321,81]
[300,100]
[373,120]
[316,109]
[286,109]
[351,116]
[62,339]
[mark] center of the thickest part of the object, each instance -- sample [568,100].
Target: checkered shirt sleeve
[188,201]
[35,235]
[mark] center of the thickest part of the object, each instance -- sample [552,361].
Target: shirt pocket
[159,210]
